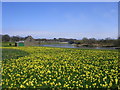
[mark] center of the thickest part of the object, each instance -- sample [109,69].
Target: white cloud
[75,35]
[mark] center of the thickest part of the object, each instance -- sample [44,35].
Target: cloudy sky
[61,19]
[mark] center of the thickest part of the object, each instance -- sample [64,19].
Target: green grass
[8,54]
[7,44]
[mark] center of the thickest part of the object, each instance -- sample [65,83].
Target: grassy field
[7,44]
[41,67]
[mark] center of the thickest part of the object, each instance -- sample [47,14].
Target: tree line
[99,42]
[84,40]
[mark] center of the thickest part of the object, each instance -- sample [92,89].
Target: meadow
[47,67]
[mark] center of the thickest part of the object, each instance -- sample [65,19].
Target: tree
[92,41]
[77,42]
[85,40]
[117,43]
[55,39]
[5,38]
[15,38]
[70,42]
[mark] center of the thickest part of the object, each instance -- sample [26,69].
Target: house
[29,41]
[19,43]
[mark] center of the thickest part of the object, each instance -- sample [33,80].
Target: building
[19,43]
[29,41]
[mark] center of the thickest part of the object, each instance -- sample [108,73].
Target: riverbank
[74,46]
[96,46]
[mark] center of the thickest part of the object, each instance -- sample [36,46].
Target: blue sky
[60,19]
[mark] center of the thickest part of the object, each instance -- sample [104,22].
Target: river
[71,46]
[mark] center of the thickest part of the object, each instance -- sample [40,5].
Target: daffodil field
[47,67]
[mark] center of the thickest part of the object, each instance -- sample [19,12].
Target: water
[71,46]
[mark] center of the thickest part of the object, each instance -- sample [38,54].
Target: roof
[20,42]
